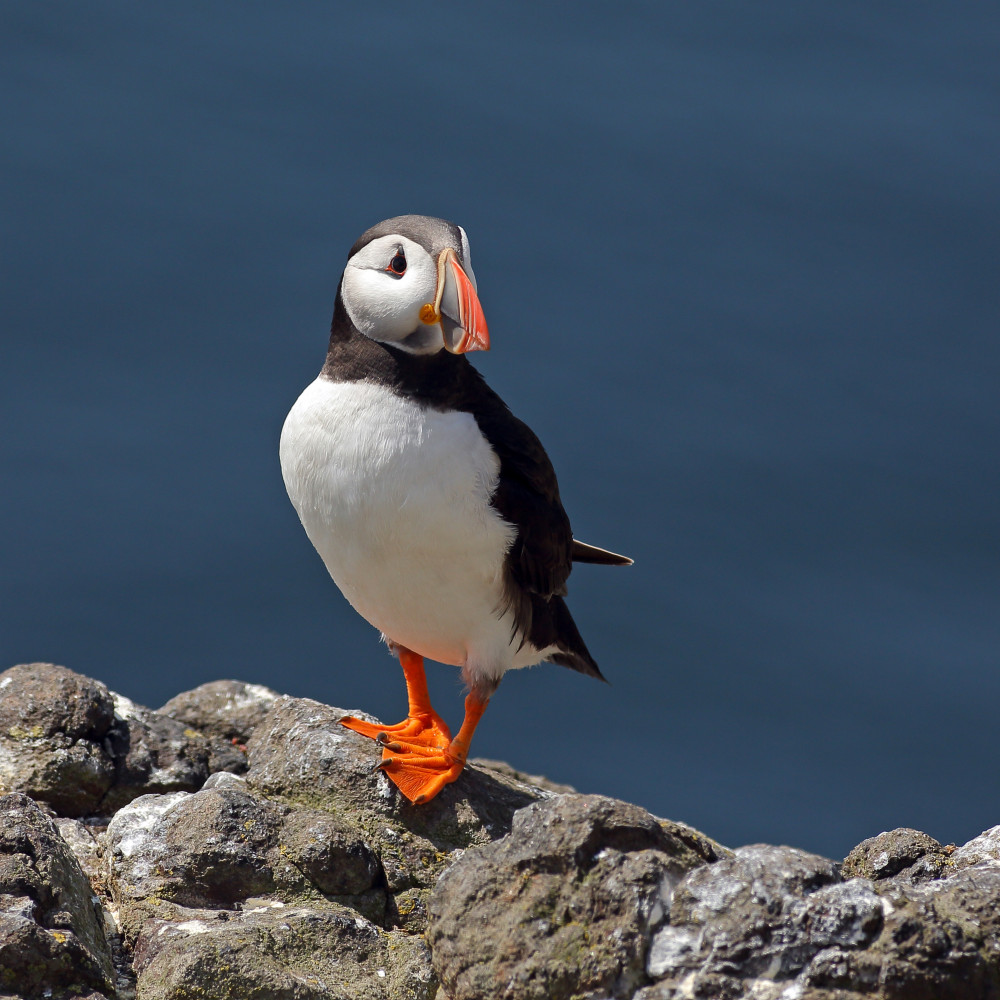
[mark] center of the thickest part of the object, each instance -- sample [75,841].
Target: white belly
[395,497]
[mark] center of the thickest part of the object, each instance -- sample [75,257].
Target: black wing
[541,556]
[527,496]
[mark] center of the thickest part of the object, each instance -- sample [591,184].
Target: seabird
[435,510]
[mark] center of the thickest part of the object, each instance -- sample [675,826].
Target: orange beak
[463,324]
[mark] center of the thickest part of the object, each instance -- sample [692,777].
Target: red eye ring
[397,265]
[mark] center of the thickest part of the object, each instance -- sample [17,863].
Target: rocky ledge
[238,844]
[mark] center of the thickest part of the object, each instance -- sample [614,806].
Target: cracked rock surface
[239,844]
[52,930]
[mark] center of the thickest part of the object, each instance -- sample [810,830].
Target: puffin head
[409,283]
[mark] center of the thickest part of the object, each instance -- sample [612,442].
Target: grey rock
[941,939]
[780,924]
[890,853]
[759,917]
[86,839]
[307,876]
[984,848]
[222,846]
[268,886]
[761,989]
[52,937]
[46,699]
[231,710]
[83,839]
[154,753]
[68,741]
[281,953]
[564,906]
[53,729]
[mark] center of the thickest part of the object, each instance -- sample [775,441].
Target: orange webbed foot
[425,730]
[420,772]
[416,754]
[420,776]
[419,754]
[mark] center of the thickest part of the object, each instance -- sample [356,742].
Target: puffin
[435,510]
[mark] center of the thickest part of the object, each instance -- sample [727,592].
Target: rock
[300,755]
[281,953]
[54,726]
[222,846]
[890,853]
[52,936]
[86,839]
[562,907]
[154,753]
[941,939]
[312,842]
[41,699]
[256,897]
[984,848]
[230,710]
[761,915]
[775,923]
[315,857]
[83,839]
[538,913]
[69,742]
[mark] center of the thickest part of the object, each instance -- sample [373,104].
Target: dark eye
[398,263]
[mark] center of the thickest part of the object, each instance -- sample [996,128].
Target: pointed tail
[584,553]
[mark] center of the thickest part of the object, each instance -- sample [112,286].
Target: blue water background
[741,267]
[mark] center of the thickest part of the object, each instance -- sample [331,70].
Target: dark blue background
[740,267]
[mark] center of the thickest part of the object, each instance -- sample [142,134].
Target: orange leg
[420,772]
[422,726]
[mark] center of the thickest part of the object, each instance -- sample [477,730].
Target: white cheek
[386,308]
[378,304]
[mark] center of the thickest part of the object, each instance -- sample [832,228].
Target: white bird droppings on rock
[132,825]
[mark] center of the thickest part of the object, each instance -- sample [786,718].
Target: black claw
[383,741]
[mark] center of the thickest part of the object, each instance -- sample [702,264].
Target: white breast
[395,497]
